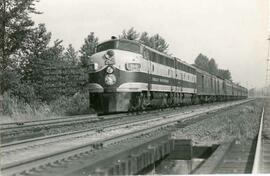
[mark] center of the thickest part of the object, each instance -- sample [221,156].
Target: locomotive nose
[101,60]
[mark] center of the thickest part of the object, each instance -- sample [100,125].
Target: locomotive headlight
[110,79]
[109,70]
[109,54]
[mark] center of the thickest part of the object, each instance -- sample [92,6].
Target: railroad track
[25,124]
[32,157]
[17,146]
[59,120]
[13,132]
[27,130]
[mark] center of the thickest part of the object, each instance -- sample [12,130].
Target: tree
[145,39]
[88,48]
[55,55]
[38,58]
[34,51]
[71,56]
[225,74]
[213,68]
[49,72]
[157,42]
[201,61]
[23,79]
[15,26]
[131,34]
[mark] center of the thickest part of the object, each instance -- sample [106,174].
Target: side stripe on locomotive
[137,87]
[141,80]
[124,76]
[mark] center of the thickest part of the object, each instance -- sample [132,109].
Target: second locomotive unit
[126,75]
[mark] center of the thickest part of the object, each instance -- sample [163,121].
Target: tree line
[27,52]
[210,65]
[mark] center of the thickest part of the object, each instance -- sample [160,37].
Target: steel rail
[256,163]
[44,120]
[56,121]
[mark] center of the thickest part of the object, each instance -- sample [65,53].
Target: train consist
[126,75]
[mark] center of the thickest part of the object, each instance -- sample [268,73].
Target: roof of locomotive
[139,43]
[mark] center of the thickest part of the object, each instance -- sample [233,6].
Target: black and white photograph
[134,87]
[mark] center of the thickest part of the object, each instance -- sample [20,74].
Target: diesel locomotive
[125,75]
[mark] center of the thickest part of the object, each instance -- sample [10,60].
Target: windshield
[122,45]
[129,46]
[106,46]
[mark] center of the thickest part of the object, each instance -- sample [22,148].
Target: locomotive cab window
[106,46]
[129,46]
[122,45]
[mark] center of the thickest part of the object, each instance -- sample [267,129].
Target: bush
[26,92]
[75,105]
[19,109]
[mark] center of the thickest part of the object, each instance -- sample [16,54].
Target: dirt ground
[240,122]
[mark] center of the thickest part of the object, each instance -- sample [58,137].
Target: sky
[233,32]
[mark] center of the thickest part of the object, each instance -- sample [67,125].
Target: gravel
[241,122]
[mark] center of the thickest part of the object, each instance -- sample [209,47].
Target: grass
[16,110]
